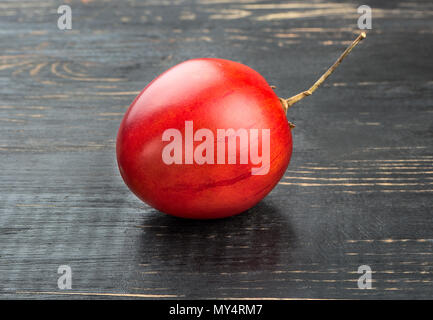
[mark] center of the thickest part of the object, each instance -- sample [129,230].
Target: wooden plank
[357,192]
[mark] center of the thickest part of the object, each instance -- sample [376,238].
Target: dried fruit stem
[287,103]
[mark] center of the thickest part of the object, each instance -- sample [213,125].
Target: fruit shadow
[256,240]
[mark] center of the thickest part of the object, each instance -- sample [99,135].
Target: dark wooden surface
[358,190]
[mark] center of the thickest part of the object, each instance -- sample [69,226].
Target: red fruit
[213,94]
[169,148]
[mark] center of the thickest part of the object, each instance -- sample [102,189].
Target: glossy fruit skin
[214,94]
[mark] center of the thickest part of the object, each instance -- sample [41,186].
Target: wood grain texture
[358,191]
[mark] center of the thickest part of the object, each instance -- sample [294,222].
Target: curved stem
[287,103]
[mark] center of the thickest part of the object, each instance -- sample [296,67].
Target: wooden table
[358,190]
